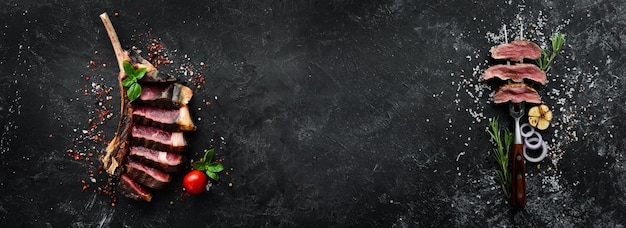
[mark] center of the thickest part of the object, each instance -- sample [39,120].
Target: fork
[518,185]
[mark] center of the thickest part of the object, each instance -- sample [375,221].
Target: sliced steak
[168,162]
[516,73]
[516,93]
[165,95]
[516,50]
[138,169]
[146,175]
[166,119]
[157,139]
[134,190]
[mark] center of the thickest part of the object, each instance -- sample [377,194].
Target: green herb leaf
[132,75]
[140,73]
[206,165]
[215,167]
[199,165]
[129,69]
[133,92]
[128,81]
[213,176]
[557,40]
[208,154]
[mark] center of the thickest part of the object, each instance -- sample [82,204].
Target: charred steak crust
[165,95]
[152,74]
[116,151]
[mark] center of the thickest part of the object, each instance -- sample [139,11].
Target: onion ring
[537,141]
[543,154]
[527,134]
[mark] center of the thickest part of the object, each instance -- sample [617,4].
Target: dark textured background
[326,113]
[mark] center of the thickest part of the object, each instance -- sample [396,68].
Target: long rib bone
[118,147]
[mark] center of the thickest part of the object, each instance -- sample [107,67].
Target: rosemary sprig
[558,40]
[503,139]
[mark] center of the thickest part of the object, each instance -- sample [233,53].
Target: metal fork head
[516,110]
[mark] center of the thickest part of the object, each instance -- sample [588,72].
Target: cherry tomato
[195,182]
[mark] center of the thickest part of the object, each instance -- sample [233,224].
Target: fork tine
[516,109]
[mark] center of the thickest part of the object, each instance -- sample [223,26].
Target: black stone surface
[325,113]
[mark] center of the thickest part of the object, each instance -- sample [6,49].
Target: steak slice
[516,73]
[516,50]
[157,139]
[146,175]
[134,190]
[166,119]
[516,93]
[168,162]
[165,95]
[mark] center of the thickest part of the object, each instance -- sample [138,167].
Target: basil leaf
[213,176]
[140,73]
[215,167]
[208,156]
[555,41]
[134,91]
[129,69]
[198,165]
[128,81]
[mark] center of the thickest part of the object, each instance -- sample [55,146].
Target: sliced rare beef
[158,139]
[516,51]
[146,175]
[132,189]
[168,162]
[516,93]
[516,73]
[165,95]
[166,119]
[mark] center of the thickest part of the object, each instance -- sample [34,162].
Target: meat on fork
[516,73]
[516,50]
[516,93]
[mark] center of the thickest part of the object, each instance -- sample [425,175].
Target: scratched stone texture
[325,113]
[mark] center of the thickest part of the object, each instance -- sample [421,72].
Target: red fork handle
[518,185]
